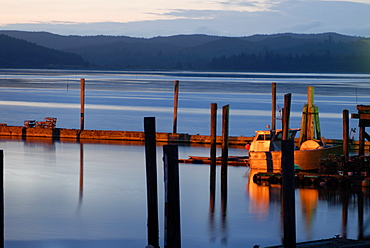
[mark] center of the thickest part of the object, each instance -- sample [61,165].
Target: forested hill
[328,52]
[17,53]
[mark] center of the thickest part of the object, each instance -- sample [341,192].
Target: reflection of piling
[225,154]
[273,107]
[172,233]
[151,181]
[82,99]
[360,203]
[2,197]
[213,156]
[345,132]
[81,170]
[345,204]
[175,104]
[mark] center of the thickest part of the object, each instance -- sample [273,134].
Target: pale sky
[170,17]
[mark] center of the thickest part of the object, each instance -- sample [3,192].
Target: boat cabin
[270,140]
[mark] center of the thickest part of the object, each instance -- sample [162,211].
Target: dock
[116,135]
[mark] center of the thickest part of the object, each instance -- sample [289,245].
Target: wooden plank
[364,116]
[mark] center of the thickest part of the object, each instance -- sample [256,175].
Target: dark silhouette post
[286,115]
[225,155]
[288,187]
[175,106]
[213,155]
[82,99]
[273,107]
[172,233]
[151,181]
[345,132]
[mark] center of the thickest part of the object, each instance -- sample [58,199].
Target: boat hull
[305,159]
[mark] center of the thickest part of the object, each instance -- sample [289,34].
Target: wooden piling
[286,115]
[172,233]
[345,132]
[225,154]
[2,197]
[151,181]
[213,156]
[82,100]
[175,106]
[288,187]
[361,147]
[273,107]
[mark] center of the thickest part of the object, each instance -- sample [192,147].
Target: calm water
[49,202]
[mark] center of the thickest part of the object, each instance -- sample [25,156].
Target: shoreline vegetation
[288,52]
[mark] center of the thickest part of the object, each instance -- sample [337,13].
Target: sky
[149,18]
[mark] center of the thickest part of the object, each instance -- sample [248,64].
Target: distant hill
[328,52]
[17,53]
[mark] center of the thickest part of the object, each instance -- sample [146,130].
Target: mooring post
[345,132]
[172,233]
[225,154]
[151,181]
[175,104]
[288,187]
[361,145]
[213,155]
[273,107]
[82,100]
[2,196]
[286,115]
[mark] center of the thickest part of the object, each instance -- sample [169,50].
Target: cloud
[282,16]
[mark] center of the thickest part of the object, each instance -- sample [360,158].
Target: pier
[116,135]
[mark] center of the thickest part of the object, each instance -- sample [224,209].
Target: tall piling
[286,115]
[175,106]
[151,181]
[273,106]
[213,155]
[225,155]
[288,187]
[82,101]
[345,115]
[172,233]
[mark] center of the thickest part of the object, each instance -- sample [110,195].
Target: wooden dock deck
[64,133]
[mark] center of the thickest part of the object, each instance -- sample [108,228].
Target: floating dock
[232,160]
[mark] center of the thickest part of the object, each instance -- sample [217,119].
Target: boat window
[291,135]
[264,137]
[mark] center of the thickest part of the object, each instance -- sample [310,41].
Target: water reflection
[310,206]
[47,181]
[81,174]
